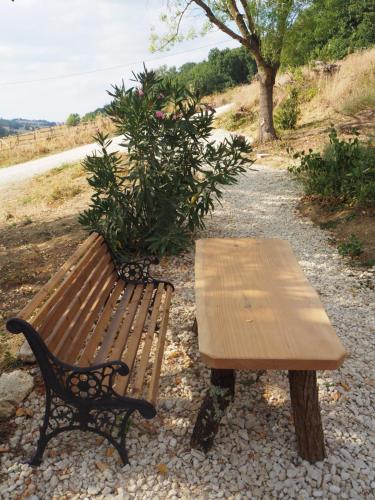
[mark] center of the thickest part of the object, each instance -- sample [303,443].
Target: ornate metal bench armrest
[138,271]
[96,382]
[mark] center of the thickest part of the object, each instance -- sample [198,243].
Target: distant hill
[20,125]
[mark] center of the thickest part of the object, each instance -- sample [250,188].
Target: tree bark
[267,78]
[218,397]
[306,414]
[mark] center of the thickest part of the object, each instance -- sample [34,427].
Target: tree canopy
[222,69]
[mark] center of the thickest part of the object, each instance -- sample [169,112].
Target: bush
[237,118]
[287,113]
[345,171]
[153,199]
[72,120]
[352,247]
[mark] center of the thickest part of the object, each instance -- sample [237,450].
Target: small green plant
[10,362]
[286,115]
[345,172]
[153,199]
[352,247]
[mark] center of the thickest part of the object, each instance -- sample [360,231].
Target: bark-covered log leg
[306,414]
[194,328]
[218,397]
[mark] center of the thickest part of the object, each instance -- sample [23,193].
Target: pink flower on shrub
[160,115]
[176,116]
[140,92]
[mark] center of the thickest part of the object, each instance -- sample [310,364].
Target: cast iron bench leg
[306,415]
[218,397]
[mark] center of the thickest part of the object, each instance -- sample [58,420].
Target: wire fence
[51,134]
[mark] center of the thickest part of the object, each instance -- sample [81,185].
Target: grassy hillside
[345,99]
[29,146]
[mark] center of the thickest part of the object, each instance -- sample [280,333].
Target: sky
[99,41]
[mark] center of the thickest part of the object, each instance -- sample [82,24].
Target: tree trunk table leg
[306,415]
[218,397]
[194,328]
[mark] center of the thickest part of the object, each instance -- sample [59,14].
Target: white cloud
[43,39]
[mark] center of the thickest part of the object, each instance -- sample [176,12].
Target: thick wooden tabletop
[256,309]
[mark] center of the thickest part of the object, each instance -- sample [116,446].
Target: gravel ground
[255,453]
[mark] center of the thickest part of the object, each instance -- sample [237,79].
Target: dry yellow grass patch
[17,149]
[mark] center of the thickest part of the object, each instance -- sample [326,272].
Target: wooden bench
[257,311]
[97,330]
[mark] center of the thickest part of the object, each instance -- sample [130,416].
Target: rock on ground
[14,387]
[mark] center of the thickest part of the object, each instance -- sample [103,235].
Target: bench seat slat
[74,302]
[156,369]
[92,308]
[149,339]
[117,347]
[100,328]
[114,325]
[134,338]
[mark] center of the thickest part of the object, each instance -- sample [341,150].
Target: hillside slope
[345,98]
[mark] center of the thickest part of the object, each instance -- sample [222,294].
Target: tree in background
[222,69]
[261,26]
[73,120]
[331,29]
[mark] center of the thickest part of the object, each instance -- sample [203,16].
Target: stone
[25,354]
[14,387]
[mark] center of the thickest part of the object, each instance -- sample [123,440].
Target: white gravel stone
[264,464]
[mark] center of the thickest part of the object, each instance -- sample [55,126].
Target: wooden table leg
[218,397]
[306,415]
[194,328]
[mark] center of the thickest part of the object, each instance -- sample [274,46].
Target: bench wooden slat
[100,328]
[149,338]
[135,338]
[122,337]
[156,369]
[257,310]
[35,302]
[74,301]
[49,311]
[91,311]
[113,327]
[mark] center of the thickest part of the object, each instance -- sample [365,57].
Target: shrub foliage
[287,113]
[155,197]
[344,172]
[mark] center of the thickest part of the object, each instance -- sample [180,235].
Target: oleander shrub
[153,198]
[344,172]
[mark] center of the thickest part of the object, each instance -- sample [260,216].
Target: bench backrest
[66,307]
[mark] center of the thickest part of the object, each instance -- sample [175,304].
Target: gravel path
[254,454]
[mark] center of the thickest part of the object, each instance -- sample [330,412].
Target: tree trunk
[306,415]
[267,77]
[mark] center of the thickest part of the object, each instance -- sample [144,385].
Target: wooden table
[256,310]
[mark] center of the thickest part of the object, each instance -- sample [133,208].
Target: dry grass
[38,231]
[43,142]
[346,99]
[352,88]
